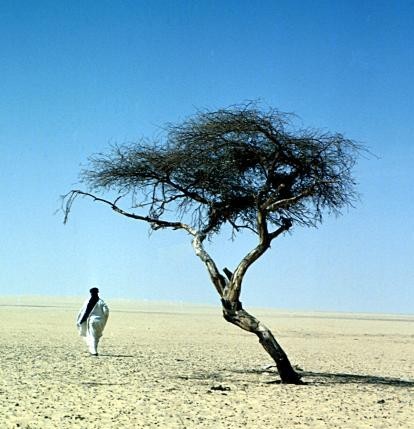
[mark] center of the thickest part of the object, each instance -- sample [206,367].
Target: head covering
[91,304]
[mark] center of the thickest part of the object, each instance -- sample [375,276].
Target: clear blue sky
[79,75]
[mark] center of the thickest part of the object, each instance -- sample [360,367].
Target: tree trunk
[234,313]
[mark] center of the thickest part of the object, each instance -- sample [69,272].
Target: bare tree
[241,166]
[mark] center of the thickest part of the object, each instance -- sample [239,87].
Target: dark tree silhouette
[241,166]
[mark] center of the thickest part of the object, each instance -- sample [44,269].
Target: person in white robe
[91,320]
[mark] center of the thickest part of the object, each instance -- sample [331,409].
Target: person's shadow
[115,355]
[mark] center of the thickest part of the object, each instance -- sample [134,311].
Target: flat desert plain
[182,366]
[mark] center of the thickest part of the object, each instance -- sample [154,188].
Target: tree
[241,166]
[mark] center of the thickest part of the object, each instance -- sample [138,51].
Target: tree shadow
[314,378]
[344,378]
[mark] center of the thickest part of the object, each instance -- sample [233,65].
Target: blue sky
[77,76]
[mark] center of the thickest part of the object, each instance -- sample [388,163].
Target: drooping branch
[155,223]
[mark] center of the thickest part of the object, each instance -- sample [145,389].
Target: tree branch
[155,223]
[272,205]
[233,288]
[218,280]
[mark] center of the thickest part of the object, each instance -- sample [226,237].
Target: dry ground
[179,366]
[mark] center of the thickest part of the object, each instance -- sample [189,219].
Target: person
[91,320]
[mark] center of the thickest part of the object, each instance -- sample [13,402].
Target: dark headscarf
[91,304]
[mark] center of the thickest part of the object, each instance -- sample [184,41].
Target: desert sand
[183,366]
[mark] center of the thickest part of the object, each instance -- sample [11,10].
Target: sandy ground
[179,366]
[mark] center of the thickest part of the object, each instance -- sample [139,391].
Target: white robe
[95,324]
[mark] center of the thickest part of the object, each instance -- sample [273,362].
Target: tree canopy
[226,166]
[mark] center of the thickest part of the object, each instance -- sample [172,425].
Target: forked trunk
[229,291]
[234,313]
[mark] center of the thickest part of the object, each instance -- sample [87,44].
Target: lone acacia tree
[241,166]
